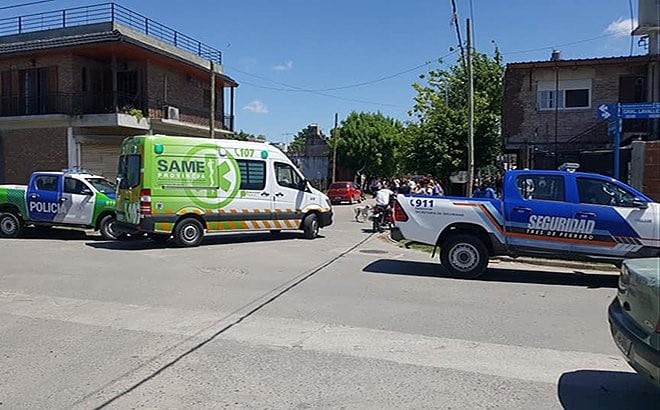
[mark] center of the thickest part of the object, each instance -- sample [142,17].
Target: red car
[344,191]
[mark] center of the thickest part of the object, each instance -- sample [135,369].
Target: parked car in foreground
[634,316]
[344,191]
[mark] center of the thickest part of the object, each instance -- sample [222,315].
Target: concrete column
[637,164]
[73,154]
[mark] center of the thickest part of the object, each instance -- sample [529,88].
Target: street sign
[605,111]
[613,126]
[639,111]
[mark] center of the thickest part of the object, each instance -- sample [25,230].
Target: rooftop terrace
[104,13]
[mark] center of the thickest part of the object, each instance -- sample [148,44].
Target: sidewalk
[560,263]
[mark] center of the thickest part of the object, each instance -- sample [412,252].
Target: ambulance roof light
[569,166]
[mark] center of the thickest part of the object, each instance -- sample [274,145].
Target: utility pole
[212,103]
[334,149]
[470,184]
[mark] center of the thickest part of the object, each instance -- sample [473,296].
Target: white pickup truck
[557,214]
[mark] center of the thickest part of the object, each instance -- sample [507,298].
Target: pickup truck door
[537,214]
[43,197]
[77,203]
[620,225]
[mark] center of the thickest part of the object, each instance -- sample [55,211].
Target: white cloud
[620,27]
[284,67]
[257,107]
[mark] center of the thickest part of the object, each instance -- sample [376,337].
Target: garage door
[100,158]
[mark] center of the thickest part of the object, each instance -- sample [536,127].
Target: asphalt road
[347,320]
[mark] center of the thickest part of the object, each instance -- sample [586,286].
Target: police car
[558,214]
[72,198]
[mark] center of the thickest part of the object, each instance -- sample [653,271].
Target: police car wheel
[188,232]
[464,256]
[311,226]
[10,225]
[106,227]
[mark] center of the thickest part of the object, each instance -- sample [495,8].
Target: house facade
[550,113]
[75,82]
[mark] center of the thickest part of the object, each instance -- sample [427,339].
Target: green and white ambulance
[181,187]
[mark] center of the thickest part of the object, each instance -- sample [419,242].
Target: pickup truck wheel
[464,256]
[188,232]
[11,225]
[310,226]
[107,229]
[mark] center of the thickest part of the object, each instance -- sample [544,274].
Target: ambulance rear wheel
[11,225]
[107,228]
[311,226]
[188,232]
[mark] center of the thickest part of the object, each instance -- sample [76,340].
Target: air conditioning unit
[171,113]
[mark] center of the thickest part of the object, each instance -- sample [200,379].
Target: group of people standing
[417,186]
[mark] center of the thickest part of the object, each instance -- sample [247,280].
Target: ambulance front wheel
[311,226]
[11,225]
[188,232]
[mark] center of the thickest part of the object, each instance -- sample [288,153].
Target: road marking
[516,362]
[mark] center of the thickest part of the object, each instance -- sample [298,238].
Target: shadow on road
[428,269]
[53,233]
[597,389]
[209,240]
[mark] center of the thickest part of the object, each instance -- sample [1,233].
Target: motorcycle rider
[383,199]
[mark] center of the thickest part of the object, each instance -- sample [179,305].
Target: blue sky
[285,53]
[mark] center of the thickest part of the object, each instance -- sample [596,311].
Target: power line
[294,88]
[632,26]
[322,92]
[573,43]
[25,4]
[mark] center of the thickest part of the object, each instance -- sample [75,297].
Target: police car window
[102,185]
[598,192]
[541,187]
[74,186]
[286,176]
[46,183]
[253,174]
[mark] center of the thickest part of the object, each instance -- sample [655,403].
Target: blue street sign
[606,111]
[640,111]
[613,125]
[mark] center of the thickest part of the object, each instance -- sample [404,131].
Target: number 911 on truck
[554,214]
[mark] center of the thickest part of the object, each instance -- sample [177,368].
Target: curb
[559,263]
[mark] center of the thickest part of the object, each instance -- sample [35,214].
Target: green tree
[369,143]
[436,142]
[246,136]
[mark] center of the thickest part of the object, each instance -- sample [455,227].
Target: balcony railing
[104,103]
[104,13]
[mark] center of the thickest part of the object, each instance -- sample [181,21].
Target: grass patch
[416,245]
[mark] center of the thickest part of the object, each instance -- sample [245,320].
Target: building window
[568,94]
[576,98]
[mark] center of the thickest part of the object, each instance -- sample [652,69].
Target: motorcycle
[381,218]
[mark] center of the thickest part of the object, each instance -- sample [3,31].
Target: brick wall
[26,151]
[523,121]
[64,63]
[651,184]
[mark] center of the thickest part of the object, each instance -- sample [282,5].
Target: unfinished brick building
[75,82]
